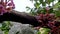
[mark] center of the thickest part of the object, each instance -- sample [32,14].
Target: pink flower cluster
[6,6]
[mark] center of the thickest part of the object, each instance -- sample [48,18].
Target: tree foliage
[40,7]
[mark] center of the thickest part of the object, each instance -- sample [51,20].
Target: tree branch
[19,17]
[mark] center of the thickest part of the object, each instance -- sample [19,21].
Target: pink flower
[6,6]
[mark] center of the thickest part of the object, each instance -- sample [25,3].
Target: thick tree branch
[19,17]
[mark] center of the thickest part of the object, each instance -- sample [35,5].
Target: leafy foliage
[44,30]
[40,6]
[49,16]
[5,27]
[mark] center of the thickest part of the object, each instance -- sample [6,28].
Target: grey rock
[20,28]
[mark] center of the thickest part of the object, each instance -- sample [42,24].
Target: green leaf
[28,8]
[40,1]
[58,0]
[5,32]
[56,5]
[44,3]
[51,10]
[5,26]
[44,30]
[35,0]
[37,5]
[49,1]
[57,13]
[38,32]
